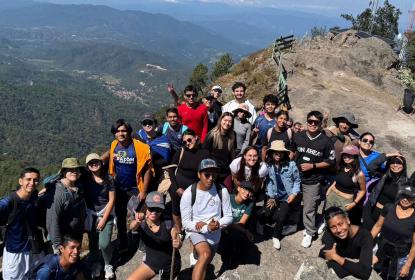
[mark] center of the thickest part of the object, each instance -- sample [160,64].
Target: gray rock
[316,269]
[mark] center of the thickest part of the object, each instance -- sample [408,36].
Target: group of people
[217,175]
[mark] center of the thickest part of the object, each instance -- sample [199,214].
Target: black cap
[247,185]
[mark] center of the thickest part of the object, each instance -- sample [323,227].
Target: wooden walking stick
[173,257]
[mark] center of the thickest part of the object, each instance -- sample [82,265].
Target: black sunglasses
[365,140]
[147,122]
[313,122]
[191,95]
[187,141]
[154,209]
[208,175]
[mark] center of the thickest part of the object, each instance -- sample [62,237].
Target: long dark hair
[333,212]
[284,161]
[240,175]
[355,165]
[402,177]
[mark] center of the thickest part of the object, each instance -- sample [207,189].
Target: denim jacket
[290,177]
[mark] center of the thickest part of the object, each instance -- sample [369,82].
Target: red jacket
[196,119]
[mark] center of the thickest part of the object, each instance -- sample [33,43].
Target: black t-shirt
[159,248]
[313,150]
[97,195]
[397,231]
[275,135]
[389,191]
[358,247]
[188,165]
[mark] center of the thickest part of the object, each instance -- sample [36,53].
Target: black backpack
[34,268]
[408,101]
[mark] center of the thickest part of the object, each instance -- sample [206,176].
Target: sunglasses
[121,130]
[408,198]
[154,209]
[73,170]
[191,95]
[313,122]
[208,175]
[94,162]
[365,140]
[147,122]
[188,141]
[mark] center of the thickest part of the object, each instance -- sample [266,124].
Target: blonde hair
[217,135]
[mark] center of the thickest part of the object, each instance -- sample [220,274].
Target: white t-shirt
[233,105]
[236,163]
[207,206]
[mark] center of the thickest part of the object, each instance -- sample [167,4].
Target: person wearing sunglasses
[386,190]
[161,241]
[238,90]
[191,112]
[67,213]
[396,245]
[186,172]
[205,209]
[100,200]
[315,154]
[349,186]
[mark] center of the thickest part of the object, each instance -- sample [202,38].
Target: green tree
[199,76]
[222,66]
[384,22]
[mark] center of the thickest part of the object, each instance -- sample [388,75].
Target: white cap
[217,87]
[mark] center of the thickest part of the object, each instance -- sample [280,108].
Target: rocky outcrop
[316,269]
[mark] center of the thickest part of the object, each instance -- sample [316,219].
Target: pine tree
[222,66]
[199,77]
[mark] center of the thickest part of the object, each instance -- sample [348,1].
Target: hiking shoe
[109,272]
[192,259]
[276,243]
[321,228]
[307,239]
[259,228]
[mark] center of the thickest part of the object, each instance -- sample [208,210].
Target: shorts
[163,268]
[196,238]
[15,265]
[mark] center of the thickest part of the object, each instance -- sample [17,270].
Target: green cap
[70,163]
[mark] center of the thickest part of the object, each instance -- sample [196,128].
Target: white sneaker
[192,259]
[307,239]
[276,243]
[321,228]
[109,273]
[259,228]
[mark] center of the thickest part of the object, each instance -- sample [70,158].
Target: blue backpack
[159,145]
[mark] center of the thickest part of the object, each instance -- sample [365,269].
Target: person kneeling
[65,266]
[161,240]
[342,242]
[205,208]
[236,237]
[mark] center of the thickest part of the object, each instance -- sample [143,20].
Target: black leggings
[282,213]
[121,201]
[370,216]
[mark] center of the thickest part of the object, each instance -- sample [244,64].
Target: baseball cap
[155,200]
[92,156]
[247,185]
[217,87]
[207,163]
[148,116]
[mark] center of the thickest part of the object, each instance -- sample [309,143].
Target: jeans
[101,240]
[400,264]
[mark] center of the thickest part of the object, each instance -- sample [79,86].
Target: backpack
[5,221]
[159,145]
[166,126]
[49,260]
[408,101]
[193,189]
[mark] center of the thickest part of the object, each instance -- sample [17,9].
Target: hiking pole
[173,258]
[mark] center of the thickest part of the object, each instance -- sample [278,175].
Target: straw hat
[278,146]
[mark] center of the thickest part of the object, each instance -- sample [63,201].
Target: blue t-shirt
[263,124]
[125,167]
[16,233]
[53,271]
